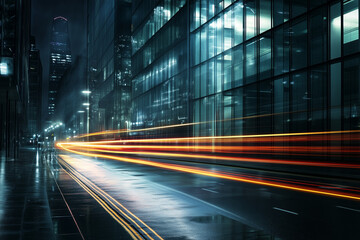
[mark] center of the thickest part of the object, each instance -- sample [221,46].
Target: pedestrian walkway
[31,205]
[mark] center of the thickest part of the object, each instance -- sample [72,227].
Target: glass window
[351,94]
[238,67]
[204,42]
[351,26]
[228,30]
[318,36]
[219,5]
[281,105]
[238,111]
[219,113]
[335,96]
[299,101]
[318,79]
[281,50]
[210,116]
[227,71]
[250,19]
[265,56]
[219,74]
[238,23]
[204,79]
[250,61]
[196,81]
[211,82]
[228,114]
[219,35]
[265,106]
[299,45]
[280,11]
[265,15]
[335,31]
[212,38]
[250,108]
[196,115]
[211,8]
[204,8]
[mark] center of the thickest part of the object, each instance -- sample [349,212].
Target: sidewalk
[31,206]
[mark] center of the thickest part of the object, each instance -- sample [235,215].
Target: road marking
[108,203]
[205,189]
[287,211]
[351,209]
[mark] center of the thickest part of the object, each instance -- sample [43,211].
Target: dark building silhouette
[60,59]
[35,90]
[14,82]
[70,99]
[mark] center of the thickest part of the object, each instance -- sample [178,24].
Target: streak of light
[110,200]
[231,149]
[226,158]
[108,132]
[235,138]
[126,226]
[216,174]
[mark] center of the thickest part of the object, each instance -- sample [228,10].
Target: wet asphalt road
[180,205]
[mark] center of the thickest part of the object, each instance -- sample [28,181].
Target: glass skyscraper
[246,67]
[60,59]
[109,63]
[160,63]
[274,66]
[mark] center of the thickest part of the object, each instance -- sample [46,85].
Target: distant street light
[87,92]
[86,104]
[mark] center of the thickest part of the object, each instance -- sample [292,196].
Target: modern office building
[160,63]
[35,90]
[14,65]
[275,66]
[60,60]
[109,63]
[257,66]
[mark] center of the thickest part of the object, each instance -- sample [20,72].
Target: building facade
[246,67]
[60,60]
[265,66]
[35,90]
[109,63]
[14,80]
[160,63]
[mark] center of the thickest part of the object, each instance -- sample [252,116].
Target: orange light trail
[228,149]
[222,158]
[217,174]
[346,135]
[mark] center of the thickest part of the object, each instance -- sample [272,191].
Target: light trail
[223,158]
[327,151]
[109,203]
[222,175]
[277,137]
[112,132]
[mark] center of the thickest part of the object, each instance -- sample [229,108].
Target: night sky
[43,12]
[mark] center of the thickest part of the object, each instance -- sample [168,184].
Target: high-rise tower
[60,59]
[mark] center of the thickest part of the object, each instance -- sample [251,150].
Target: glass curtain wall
[160,63]
[266,66]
